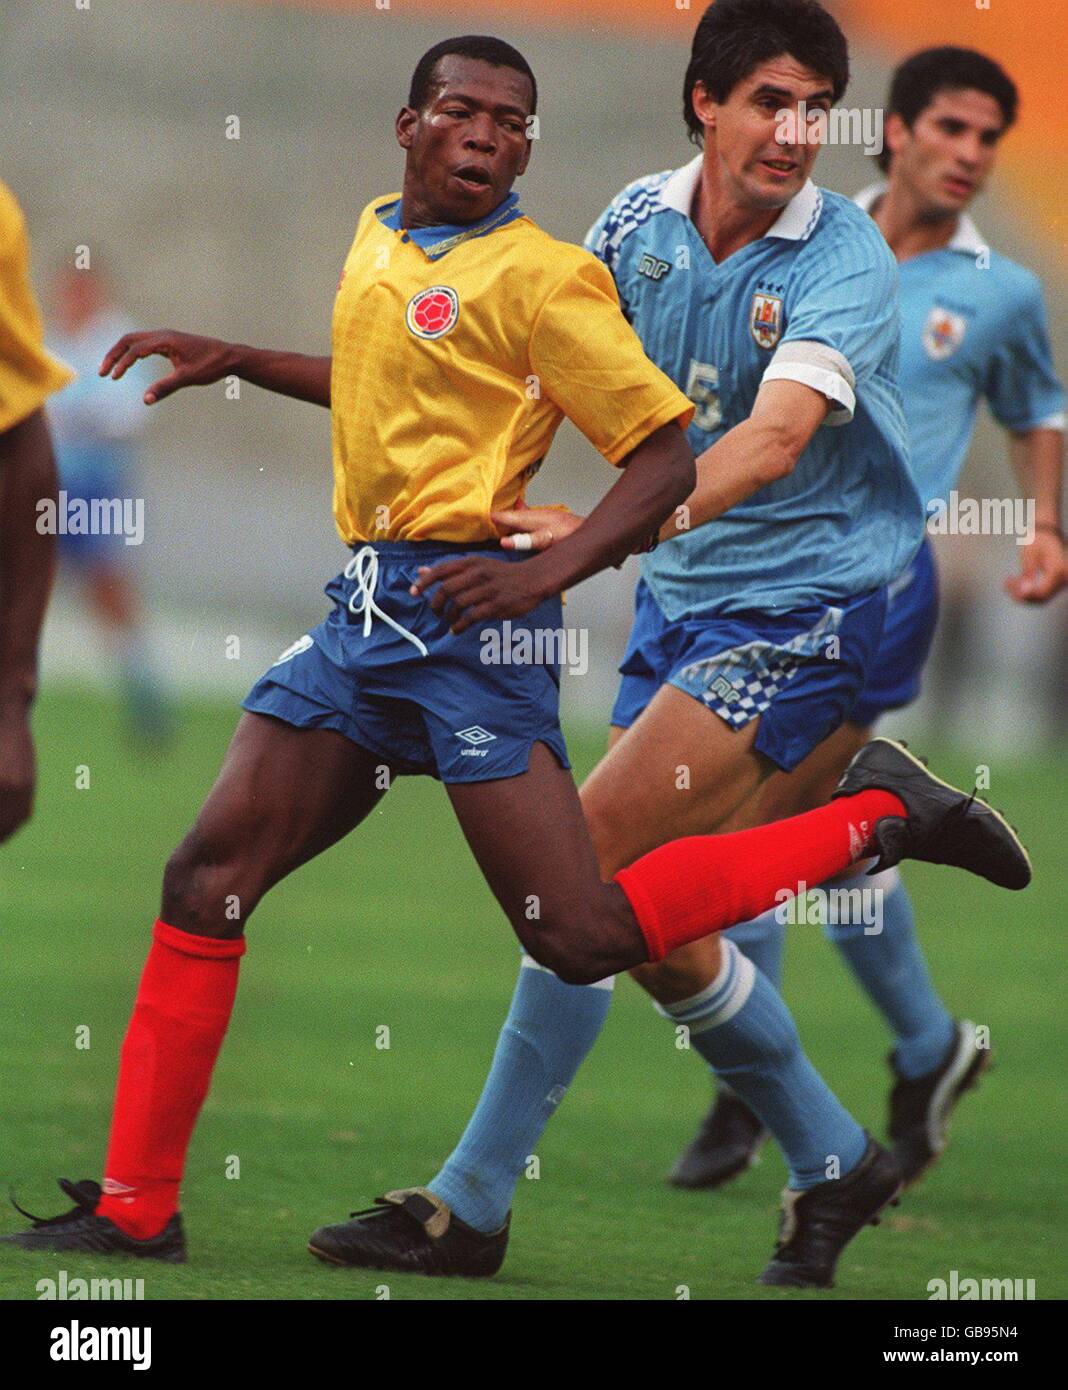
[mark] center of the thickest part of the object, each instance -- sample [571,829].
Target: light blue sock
[890,966]
[743,1029]
[762,940]
[546,1036]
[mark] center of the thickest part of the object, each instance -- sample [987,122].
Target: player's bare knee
[671,980]
[570,959]
[201,892]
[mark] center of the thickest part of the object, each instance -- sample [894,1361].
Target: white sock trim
[529,963]
[718,1002]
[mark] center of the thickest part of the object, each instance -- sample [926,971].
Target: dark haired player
[451,290]
[973,326]
[28,376]
[773,304]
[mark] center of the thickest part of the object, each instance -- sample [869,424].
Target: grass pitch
[396,928]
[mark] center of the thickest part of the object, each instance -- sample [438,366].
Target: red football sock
[706,883]
[179,1019]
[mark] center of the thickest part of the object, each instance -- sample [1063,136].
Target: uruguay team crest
[432,313]
[765,319]
[943,333]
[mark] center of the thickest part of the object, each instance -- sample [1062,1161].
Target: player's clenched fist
[196,361]
[474,590]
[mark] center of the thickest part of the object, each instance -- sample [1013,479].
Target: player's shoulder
[1013,281]
[629,210]
[844,224]
[547,262]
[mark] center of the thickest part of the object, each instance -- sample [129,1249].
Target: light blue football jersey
[814,300]
[973,325]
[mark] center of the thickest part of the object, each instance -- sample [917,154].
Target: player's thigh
[678,770]
[282,796]
[530,839]
[813,781]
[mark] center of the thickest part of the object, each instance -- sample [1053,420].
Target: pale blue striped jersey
[973,325]
[814,300]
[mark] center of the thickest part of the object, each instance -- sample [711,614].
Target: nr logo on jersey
[432,313]
[654,268]
[765,319]
[943,333]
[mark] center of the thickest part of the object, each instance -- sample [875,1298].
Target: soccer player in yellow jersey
[462,336]
[28,376]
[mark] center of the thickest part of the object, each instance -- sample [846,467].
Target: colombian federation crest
[943,333]
[765,319]
[432,313]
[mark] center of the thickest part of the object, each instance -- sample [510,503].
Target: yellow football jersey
[28,374]
[457,352]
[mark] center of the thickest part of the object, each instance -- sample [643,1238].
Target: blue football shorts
[384,670]
[799,672]
[911,618]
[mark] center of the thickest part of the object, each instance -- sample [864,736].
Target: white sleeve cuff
[823,369]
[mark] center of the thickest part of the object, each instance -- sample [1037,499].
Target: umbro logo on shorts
[474,735]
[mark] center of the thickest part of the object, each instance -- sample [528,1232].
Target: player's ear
[407,120]
[895,132]
[705,106]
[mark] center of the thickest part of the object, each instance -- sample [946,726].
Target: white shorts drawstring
[363,567]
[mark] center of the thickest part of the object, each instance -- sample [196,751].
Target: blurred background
[116,118]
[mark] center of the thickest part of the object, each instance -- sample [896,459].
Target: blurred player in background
[28,376]
[973,328]
[94,430]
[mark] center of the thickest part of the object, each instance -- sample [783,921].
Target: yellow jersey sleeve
[28,373]
[590,362]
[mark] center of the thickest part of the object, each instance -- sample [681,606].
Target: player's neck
[908,232]
[726,226]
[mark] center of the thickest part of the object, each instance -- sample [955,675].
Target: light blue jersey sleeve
[844,325]
[1022,385]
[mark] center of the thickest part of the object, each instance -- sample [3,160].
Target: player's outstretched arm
[762,449]
[27,568]
[1038,461]
[201,361]
[656,477]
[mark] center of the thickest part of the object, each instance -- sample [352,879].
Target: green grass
[395,927]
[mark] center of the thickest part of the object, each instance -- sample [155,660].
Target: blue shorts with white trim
[798,672]
[384,670]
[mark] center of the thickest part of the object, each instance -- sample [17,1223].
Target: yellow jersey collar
[439,241]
